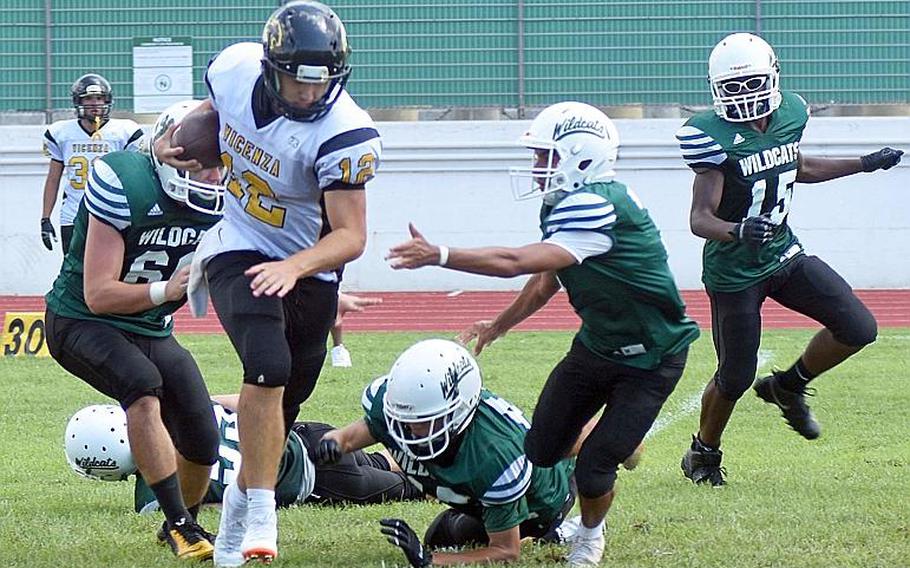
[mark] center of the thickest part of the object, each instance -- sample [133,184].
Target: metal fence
[507,54]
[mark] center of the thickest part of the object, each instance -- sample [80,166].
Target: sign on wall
[162,72]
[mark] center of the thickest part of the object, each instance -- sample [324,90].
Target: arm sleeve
[581,225]
[105,197]
[699,150]
[371,401]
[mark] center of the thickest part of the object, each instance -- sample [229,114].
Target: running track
[440,311]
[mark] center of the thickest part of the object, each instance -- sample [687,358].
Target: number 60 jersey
[159,237]
[759,173]
[279,168]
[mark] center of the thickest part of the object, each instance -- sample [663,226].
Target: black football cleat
[188,541]
[703,466]
[792,405]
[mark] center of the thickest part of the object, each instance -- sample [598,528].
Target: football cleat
[231,530]
[188,541]
[341,357]
[586,551]
[703,466]
[260,542]
[165,538]
[792,405]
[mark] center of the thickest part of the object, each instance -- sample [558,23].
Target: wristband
[443,255]
[158,292]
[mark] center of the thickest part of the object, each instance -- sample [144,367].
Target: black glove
[884,159]
[401,535]
[327,452]
[48,233]
[754,231]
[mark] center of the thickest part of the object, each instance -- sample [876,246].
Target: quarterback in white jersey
[299,153]
[72,145]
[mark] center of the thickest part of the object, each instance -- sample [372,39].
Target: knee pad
[860,330]
[452,528]
[732,390]
[539,453]
[196,437]
[595,468]
[267,368]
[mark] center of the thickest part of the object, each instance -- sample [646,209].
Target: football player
[599,242]
[109,319]
[746,158]
[461,444]
[74,144]
[359,478]
[299,152]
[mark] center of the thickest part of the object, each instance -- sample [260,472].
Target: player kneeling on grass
[464,446]
[109,320]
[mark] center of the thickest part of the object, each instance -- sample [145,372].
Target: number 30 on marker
[23,334]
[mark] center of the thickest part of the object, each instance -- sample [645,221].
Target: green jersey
[489,476]
[621,287]
[296,472]
[159,236]
[759,173]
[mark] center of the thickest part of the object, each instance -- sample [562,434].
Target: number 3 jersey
[489,476]
[159,236]
[759,171]
[67,142]
[279,168]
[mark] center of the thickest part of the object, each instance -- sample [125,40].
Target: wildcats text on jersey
[171,236]
[256,155]
[771,158]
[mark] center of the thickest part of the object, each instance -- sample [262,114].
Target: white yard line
[693,402]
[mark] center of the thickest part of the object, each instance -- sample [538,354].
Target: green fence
[475,53]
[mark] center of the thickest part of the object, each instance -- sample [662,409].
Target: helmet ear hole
[583,165]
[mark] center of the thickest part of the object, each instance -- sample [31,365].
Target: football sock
[586,533]
[260,501]
[796,377]
[700,446]
[167,491]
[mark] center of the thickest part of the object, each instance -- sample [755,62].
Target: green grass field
[842,500]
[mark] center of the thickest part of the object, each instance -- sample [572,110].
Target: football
[198,134]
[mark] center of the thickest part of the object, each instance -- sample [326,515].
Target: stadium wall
[450,179]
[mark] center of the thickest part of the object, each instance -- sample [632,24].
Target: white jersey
[278,171]
[67,142]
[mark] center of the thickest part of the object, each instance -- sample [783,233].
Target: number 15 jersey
[278,168]
[759,173]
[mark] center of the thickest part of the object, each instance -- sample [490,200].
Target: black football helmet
[92,84]
[307,41]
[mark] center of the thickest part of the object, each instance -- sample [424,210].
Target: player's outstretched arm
[335,443]
[105,293]
[350,303]
[505,546]
[505,262]
[816,169]
[535,294]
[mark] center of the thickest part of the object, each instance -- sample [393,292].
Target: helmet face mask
[432,393]
[92,97]
[96,443]
[744,76]
[307,43]
[581,145]
[181,186]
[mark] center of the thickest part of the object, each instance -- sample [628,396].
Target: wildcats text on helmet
[453,376]
[575,124]
[259,157]
[771,158]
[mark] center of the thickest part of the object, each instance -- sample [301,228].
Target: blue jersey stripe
[346,140]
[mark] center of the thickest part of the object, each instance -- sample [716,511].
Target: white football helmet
[178,184]
[745,78]
[96,443]
[431,395]
[585,141]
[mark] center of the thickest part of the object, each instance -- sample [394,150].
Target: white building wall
[450,179]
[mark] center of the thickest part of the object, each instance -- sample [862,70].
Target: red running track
[440,311]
